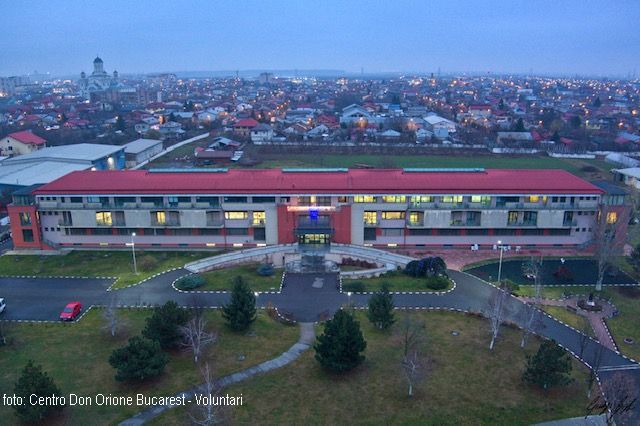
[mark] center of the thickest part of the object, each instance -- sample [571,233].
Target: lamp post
[133,253]
[349,299]
[501,247]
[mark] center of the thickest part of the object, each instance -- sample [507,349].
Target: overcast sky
[585,37]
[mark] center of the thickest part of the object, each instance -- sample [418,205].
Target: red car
[71,311]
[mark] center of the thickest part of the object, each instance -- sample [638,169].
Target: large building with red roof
[246,208]
[20,143]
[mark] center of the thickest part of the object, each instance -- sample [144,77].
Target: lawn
[222,279]
[397,281]
[627,301]
[574,320]
[99,264]
[75,356]
[466,384]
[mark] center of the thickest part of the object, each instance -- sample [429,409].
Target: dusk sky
[560,36]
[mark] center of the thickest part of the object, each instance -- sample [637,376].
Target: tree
[429,267]
[496,313]
[140,359]
[339,348]
[34,381]
[188,106]
[501,104]
[195,335]
[597,103]
[549,367]
[414,366]
[153,134]
[618,398]
[207,412]
[532,268]
[241,311]
[111,315]
[556,136]
[519,127]
[164,325]
[575,121]
[381,308]
[172,117]
[634,259]
[120,124]
[607,243]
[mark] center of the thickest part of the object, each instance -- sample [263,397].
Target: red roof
[355,181]
[27,137]
[246,122]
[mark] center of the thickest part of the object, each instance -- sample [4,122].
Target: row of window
[456,199]
[370,233]
[258,234]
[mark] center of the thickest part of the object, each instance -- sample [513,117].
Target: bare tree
[496,313]
[618,398]
[532,322]
[595,367]
[607,243]
[206,412]
[111,315]
[414,366]
[195,334]
[583,338]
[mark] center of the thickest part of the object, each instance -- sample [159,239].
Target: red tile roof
[246,122]
[27,137]
[363,181]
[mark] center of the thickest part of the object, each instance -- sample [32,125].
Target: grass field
[76,357]
[222,279]
[574,320]
[98,264]
[466,384]
[626,300]
[397,281]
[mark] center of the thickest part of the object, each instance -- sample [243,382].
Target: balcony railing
[165,223]
[523,223]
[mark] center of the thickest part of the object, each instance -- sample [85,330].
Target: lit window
[370,218]
[104,218]
[416,199]
[25,219]
[161,218]
[259,218]
[452,199]
[394,198]
[532,199]
[364,199]
[483,199]
[414,217]
[612,217]
[236,215]
[393,215]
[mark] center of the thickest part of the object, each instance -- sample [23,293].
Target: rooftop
[354,181]
[140,145]
[27,137]
[83,152]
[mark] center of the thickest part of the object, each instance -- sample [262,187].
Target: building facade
[247,208]
[20,143]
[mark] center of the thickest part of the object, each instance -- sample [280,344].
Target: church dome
[97,60]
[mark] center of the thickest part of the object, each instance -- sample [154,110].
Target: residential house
[20,143]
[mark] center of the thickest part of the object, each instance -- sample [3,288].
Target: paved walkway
[306,340]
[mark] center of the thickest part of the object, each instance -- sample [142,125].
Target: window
[369,234]
[25,219]
[98,200]
[415,218]
[394,198]
[259,234]
[104,219]
[482,199]
[212,201]
[393,232]
[612,217]
[120,201]
[27,235]
[530,218]
[417,199]
[259,218]
[532,199]
[76,200]
[364,199]
[174,201]
[236,215]
[237,231]
[160,218]
[156,201]
[370,218]
[210,231]
[513,218]
[393,215]
[235,199]
[452,199]
[264,199]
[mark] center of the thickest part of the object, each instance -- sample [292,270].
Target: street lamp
[501,247]
[349,299]
[133,253]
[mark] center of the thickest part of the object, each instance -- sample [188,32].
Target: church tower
[98,66]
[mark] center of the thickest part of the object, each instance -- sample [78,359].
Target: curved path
[306,300]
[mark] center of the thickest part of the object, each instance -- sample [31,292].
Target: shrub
[265,270]
[437,283]
[429,266]
[355,286]
[148,263]
[190,282]
[510,286]
[140,359]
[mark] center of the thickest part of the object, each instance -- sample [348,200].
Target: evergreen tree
[172,117]
[241,311]
[501,104]
[140,359]
[164,325]
[339,348]
[381,308]
[549,367]
[519,126]
[634,259]
[120,124]
[556,136]
[33,381]
[597,103]
[575,121]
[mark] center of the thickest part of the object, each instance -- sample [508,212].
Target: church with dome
[100,86]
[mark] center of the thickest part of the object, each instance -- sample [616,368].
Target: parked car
[3,305]
[71,311]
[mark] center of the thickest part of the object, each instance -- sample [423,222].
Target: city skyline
[573,38]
